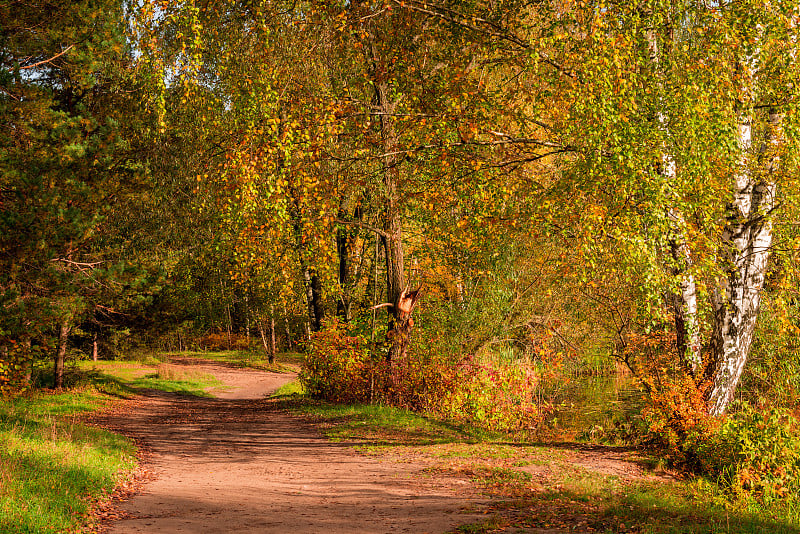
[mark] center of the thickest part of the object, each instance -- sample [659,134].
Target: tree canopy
[570,176]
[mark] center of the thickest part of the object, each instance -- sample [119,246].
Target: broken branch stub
[407,301]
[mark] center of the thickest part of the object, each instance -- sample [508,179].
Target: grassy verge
[382,426]
[52,467]
[545,487]
[290,390]
[285,362]
[160,375]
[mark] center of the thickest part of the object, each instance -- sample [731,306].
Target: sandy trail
[239,464]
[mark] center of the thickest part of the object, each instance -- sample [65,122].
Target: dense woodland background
[455,207]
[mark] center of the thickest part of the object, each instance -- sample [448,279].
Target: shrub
[754,456]
[15,367]
[677,418]
[338,367]
[218,341]
[499,397]
[502,396]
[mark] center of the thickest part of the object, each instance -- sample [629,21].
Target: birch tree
[673,129]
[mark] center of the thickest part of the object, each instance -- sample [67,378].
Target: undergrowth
[499,396]
[749,458]
[540,485]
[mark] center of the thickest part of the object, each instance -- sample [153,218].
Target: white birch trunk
[685,309]
[747,238]
[263,334]
[684,302]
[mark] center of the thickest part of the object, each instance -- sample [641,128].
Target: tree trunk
[313,298]
[61,354]
[392,238]
[313,287]
[684,302]
[95,348]
[272,349]
[374,294]
[687,328]
[344,243]
[229,319]
[288,329]
[747,238]
[262,332]
[400,335]
[26,343]
[247,318]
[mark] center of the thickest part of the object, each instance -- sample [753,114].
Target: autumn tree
[672,126]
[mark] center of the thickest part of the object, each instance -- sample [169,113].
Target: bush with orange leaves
[753,453]
[339,367]
[219,341]
[675,411]
[14,367]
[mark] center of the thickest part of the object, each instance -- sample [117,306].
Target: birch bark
[684,302]
[747,239]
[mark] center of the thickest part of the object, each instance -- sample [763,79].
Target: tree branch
[492,29]
[365,226]
[47,60]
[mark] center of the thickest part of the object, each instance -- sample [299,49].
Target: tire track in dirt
[237,463]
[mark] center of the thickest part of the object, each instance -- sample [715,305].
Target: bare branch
[365,226]
[492,29]
[48,60]
[80,265]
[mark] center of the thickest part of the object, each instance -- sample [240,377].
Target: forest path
[237,463]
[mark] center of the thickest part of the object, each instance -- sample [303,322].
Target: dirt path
[236,463]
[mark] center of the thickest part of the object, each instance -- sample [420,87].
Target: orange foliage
[223,341]
[676,409]
[339,367]
[13,367]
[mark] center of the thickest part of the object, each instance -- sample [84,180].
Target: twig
[80,265]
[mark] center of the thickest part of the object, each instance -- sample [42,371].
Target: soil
[238,463]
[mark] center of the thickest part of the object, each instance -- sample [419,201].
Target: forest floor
[242,462]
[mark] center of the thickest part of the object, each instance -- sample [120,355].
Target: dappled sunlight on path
[240,464]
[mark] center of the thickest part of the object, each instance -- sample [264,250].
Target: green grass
[161,376]
[292,389]
[178,379]
[123,371]
[52,467]
[610,505]
[386,426]
[285,362]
